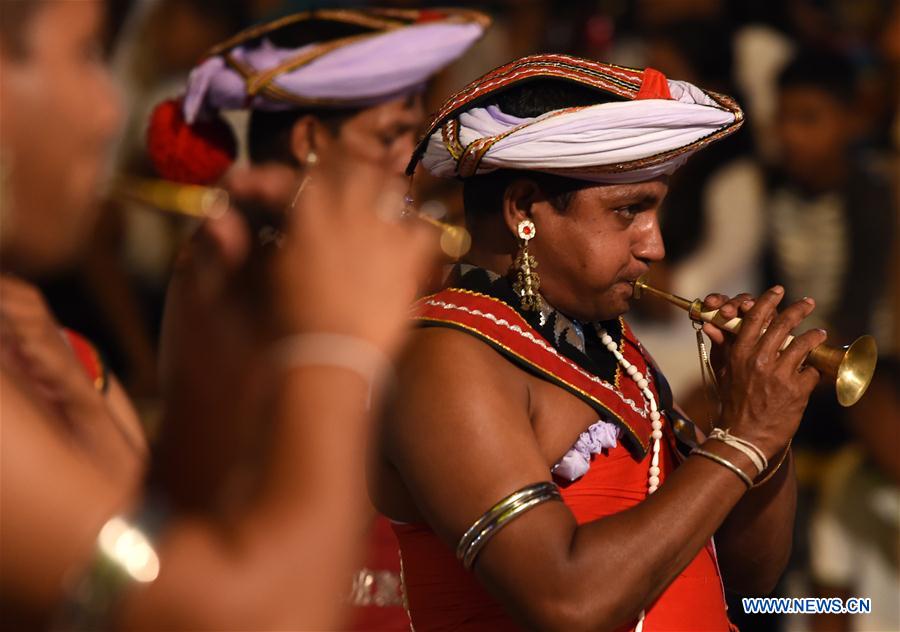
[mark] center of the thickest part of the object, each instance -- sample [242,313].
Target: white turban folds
[652,133]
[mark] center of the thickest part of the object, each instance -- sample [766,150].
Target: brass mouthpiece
[850,368]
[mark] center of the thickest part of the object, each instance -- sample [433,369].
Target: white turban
[651,134]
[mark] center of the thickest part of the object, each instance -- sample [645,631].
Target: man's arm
[281,564]
[754,542]
[284,561]
[753,545]
[279,556]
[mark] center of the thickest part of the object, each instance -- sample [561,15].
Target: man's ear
[518,199]
[308,138]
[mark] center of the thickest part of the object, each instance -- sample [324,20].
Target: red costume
[441,594]
[376,596]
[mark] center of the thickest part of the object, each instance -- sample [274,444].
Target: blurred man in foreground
[88,550]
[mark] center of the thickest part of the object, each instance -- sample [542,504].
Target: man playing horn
[535,465]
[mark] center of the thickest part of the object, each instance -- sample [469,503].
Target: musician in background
[822,191]
[319,88]
[537,469]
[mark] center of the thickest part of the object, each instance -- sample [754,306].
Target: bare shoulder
[450,376]
[453,358]
[454,391]
[457,434]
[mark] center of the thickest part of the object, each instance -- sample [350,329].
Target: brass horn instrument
[203,202]
[851,367]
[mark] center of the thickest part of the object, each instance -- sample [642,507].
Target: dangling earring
[527,282]
[312,158]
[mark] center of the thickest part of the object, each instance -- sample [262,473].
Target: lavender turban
[394,58]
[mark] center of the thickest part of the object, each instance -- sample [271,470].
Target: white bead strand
[655,423]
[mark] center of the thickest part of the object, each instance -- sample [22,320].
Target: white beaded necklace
[655,417]
[655,422]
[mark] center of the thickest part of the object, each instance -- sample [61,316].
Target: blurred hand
[344,263]
[33,342]
[32,345]
[764,392]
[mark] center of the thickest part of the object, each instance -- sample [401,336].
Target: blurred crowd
[805,195]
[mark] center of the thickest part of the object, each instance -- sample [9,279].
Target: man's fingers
[714,301]
[795,353]
[783,324]
[809,378]
[217,249]
[369,182]
[716,335]
[728,307]
[230,239]
[732,307]
[756,318]
[11,284]
[424,250]
[271,185]
[19,296]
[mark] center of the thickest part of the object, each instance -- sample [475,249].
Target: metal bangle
[725,463]
[124,556]
[491,514]
[501,514]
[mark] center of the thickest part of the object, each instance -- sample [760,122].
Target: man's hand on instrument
[349,264]
[729,307]
[764,391]
[336,266]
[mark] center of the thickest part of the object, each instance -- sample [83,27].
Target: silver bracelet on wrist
[725,463]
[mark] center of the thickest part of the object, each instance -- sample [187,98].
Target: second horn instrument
[851,367]
[204,202]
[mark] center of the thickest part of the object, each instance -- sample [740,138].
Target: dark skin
[492,429]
